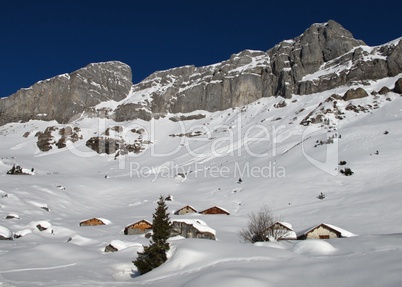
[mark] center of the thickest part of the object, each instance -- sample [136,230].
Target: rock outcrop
[398,86]
[47,139]
[65,96]
[355,94]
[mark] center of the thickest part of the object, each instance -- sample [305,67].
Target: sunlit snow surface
[263,145]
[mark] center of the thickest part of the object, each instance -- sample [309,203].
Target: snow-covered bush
[261,227]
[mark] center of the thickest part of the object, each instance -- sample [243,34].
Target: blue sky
[42,39]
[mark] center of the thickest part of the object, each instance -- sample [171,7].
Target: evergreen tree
[155,254]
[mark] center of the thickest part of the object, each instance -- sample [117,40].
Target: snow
[23,232]
[324,71]
[120,245]
[36,225]
[141,96]
[274,158]
[313,247]
[344,233]
[107,105]
[287,225]
[270,244]
[329,68]
[5,232]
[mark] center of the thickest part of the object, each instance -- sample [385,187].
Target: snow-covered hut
[186,209]
[283,231]
[139,227]
[192,228]
[215,210]
[323,231]
[94,222]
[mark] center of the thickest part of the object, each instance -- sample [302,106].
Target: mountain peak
[62,97]
[324,41]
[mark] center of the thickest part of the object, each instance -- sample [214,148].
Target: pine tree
[155,254]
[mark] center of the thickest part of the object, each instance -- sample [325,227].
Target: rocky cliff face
[65,96]
[324,57]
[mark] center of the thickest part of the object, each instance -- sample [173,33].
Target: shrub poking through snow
[155,254]
[261,227]
[347,171]
[15,170]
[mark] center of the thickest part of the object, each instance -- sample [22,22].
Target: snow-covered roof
[285,224]
[342,232]
[218,207]
[104,220]
[5,232]
[289,235]
[198,224]
[187,206]
[119,245]
[142,220]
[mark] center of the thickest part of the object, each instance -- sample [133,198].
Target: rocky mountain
[324,57]
[68,95]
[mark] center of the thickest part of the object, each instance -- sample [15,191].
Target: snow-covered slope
[282,163]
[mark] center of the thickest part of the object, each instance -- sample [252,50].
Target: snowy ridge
[188,88]
[187,77]
[336,66]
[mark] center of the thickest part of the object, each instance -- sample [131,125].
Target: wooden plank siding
[139,227]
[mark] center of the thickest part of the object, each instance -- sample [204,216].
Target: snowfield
[281,164]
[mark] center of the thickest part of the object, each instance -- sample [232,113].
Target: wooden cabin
[184,210]
[323,231]
[189,228]
[215,210]
[93,222]
[283,231]
[139,227]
